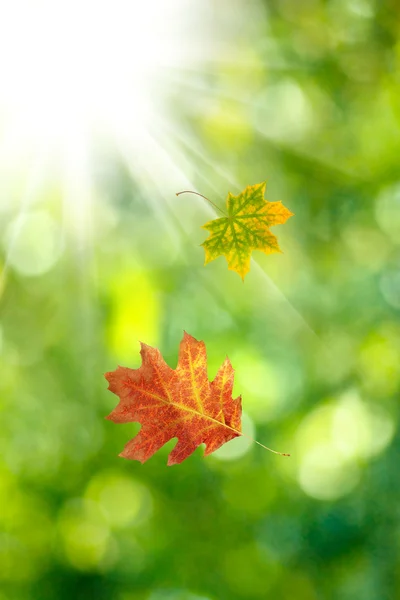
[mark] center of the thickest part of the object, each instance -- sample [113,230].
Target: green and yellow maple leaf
[245,228]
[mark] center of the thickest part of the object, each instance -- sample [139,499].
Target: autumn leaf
[180,403]
[245,228]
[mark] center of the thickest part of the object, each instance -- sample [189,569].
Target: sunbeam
[84,79]
[72,73]
[175,150]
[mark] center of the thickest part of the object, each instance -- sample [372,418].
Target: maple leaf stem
[270,449]
[249,438]
[259,443]
[205,198]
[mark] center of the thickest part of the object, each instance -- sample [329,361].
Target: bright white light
[76,71]
[73,65]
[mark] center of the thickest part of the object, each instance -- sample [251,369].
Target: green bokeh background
[310,101]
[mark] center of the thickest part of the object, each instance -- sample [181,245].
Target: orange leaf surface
[180,403]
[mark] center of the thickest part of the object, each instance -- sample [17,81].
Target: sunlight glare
[68,66]
[76,73]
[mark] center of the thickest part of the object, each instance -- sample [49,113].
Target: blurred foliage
[306,94]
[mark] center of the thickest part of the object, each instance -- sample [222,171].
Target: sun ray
[273,288]
[34,179]
[185,144]
[158,152]
[167,164]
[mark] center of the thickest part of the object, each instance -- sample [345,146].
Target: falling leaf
[245,228]
[180,403]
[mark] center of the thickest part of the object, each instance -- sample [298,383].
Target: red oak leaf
[180,403]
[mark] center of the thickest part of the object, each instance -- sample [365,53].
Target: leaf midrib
[130,384]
